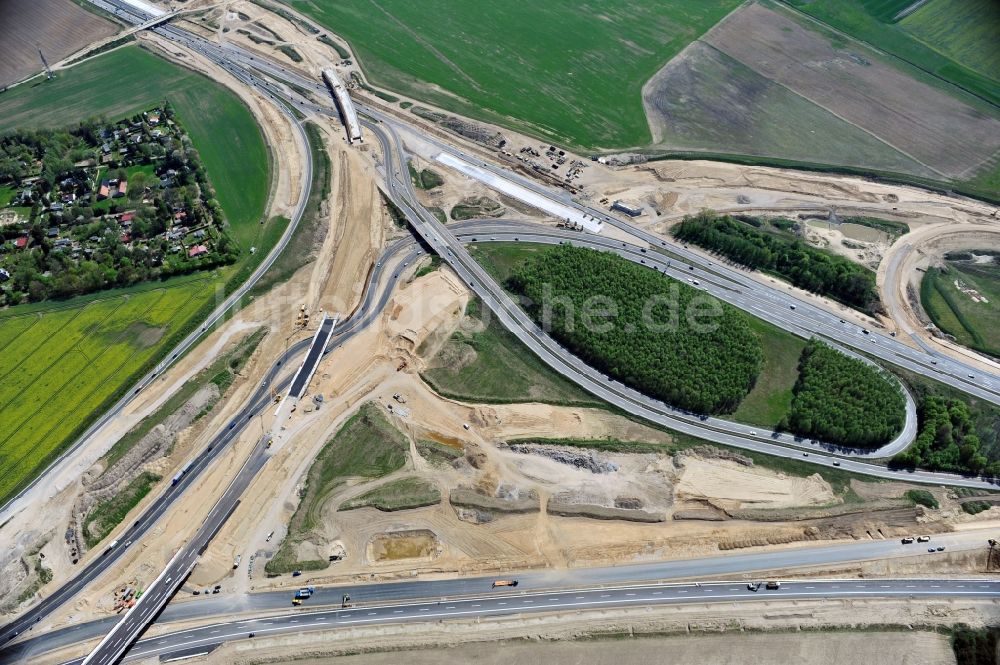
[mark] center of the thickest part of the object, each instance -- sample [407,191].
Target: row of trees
[661,337]
[39,275]
[947,440]
[843,400]
[804,266]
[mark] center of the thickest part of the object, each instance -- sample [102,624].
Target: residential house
[21,242]
[104,191]
[197,250]
[120,191]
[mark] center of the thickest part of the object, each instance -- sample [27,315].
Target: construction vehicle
[236,561]
[275,395]
[296,601]
[497,583]
[399,398]
[402,365]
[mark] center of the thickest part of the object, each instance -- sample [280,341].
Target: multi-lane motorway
[515,602]
[757,297]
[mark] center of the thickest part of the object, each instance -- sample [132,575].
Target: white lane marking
[449,607]
[397,611]
[721,597]
[424,609]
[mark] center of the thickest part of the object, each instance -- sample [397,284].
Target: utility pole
[48,71]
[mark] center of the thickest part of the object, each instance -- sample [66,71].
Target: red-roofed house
[104,191]
[21,243]
[126,238]
[197,250]
[127,217]
[122,186]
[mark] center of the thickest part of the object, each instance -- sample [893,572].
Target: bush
[922,498]
[976,507]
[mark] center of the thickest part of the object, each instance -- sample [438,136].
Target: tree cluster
[804,266]
[947,440]
[843,400]
[703,369]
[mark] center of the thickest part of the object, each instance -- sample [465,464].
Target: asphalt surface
[13,505]
[727,566]
[514,601]
[316,350]
[445,243]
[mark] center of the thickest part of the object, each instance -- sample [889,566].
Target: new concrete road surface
[510,601]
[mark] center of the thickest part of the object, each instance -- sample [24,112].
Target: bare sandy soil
[820,648]
[371,367]
[57,27]
[744,487]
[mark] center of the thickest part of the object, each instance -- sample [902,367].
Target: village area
[104,205]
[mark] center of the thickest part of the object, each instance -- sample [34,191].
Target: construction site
[373,475]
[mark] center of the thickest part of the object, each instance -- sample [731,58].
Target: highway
[452,249]
[439,604]
[742,292]
[279,377]
[18,502]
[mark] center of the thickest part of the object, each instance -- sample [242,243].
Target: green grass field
[64,363]
[966,31]
[771,396]
[367,446]
[402,494]
[973,324]
[130,79]
[503,372]
[952,40]
[562,70]
[92,347]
